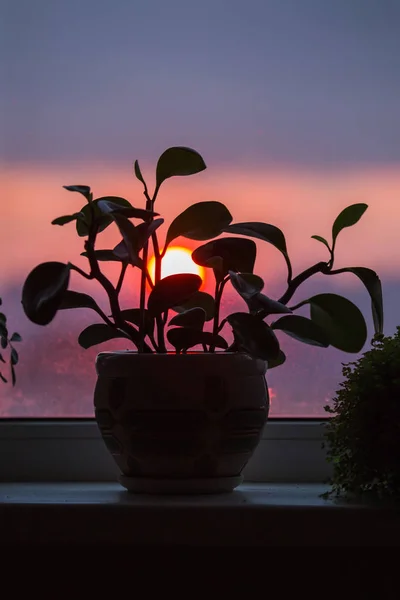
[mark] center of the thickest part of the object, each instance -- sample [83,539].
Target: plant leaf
[71,299]
[138,172]
[268,306]
[277,362]
[302,329]
[131,239]
[3,342]
[322,240]
[232,254]
[198,300]
[246,284]
[14,356]
[341,319]
[3,329]
[172,291]
[183,338]
[132,315]
[374,287]
[348,217]
[66,219]
[254,335]
[262,231]
[102,220]
[16,337]
[146,230]
[194,317]
[110,205]
[178,161]
[81,189]
[201,221]
[98,333]
[43,291]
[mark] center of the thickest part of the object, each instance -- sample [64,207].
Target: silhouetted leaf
[71,299]
[43,291]
[132,315]
[3,318]
[322,240]
[81,189]
[262,231]
[231,254]
[277,362]
[254,335]
[178,160]
[131,239]
[341,319]
[183,338]
[3,329]
[3,342]
[102,220]
[194,317]
[302,329]
[146,230]
[110,205]
[374,287]
[138,172]
[121,251]
[98,333]
[172,291]
[266,305]
[66,219]
[14,356]
[198,300]
[201,221]
[246,284]
[16,337]
[348,217]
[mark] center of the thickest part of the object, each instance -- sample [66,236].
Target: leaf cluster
[7,342]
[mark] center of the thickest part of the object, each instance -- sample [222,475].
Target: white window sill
[252,515]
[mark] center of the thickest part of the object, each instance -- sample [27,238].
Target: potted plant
[363,434]
[184,409]
[7,343]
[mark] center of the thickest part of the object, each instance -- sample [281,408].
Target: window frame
[72,450]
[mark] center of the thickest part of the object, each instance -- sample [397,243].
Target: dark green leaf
[194,317]
[302,329]
[102,220]
[132,315]
[348,217]
[106,255]
[14,356]
[178,160]
[374,287]
[98,333]
[277,362]
[183,338]
[43,291]
[198,300]
[172,291]
[201,221]
[262,231]
[233,254]
[254,335]
[81,189]
[322,240]
[266,305]
[246,284]
[341,319]
[111,205]
[73,299]
[16,337]
[3,342]
[66,219]
[131,239]
[138,172]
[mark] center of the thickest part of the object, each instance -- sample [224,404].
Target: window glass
[294,107]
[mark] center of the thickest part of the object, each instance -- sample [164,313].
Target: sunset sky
[294,105]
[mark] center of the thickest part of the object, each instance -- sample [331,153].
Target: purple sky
[261,82]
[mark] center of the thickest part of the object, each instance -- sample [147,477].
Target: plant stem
[121,278]
[219,288]
[78,270]
[320,267]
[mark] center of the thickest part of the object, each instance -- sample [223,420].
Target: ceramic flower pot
[184,423]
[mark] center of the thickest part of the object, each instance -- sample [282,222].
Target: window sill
[253,515]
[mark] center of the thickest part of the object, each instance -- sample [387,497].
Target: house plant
[185,409]
[363,434]
[7,343]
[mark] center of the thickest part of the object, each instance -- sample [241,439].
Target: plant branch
[78,270]
[121,278]
[320,267]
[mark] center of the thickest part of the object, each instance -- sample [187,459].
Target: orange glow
[177,259]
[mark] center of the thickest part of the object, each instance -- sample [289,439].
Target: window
[294,107]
